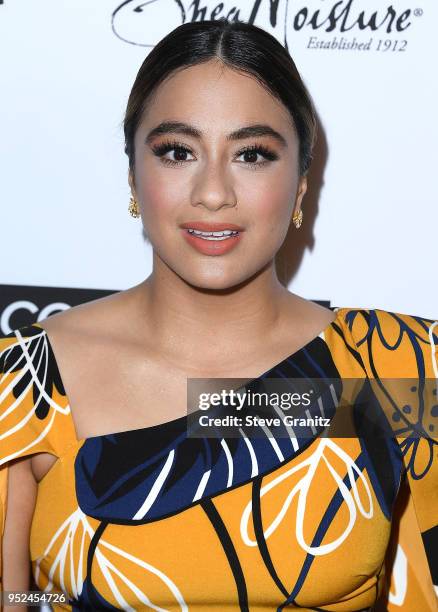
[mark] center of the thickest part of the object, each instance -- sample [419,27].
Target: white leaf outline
[35,382]
[302,489]
[69,528]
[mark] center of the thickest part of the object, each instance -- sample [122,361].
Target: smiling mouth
[222,235]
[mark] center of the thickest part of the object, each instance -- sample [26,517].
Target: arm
[20,505]
[402,346]
[34,418]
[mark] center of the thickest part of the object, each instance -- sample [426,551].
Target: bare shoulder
[90,339]
[105,316]
[96,351]
[309,315]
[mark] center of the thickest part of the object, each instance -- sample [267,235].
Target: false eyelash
[270,155]
[166,146]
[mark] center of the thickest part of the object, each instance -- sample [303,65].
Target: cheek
[161,198]
[272,206]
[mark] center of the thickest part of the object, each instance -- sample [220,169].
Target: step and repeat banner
[369,236]
[370,231]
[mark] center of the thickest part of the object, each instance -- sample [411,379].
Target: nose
[213,188]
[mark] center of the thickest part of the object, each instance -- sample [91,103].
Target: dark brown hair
[240,46]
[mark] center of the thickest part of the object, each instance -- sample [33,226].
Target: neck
[208,324]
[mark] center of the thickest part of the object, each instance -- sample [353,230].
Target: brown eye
[179,151]
[251,153]
[251,156]
[180,154]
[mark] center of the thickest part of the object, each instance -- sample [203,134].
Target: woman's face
[216,173]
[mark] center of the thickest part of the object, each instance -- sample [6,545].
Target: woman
[115,504]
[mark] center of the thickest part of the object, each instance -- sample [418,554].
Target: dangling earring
[133,207]
[298,218]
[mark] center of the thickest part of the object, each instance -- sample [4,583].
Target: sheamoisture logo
[144,23]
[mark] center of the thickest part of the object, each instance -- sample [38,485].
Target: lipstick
[211,238]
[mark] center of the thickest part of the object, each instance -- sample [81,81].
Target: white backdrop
[66,72]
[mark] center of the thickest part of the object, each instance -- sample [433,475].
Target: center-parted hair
[240,46]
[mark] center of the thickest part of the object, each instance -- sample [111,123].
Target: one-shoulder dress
[152,519]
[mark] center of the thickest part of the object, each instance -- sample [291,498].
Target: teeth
[213,235]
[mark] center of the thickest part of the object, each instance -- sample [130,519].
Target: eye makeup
[165,147]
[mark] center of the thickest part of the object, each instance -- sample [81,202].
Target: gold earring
[133,207]
[298,218]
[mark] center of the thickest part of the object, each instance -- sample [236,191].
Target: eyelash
[163,148]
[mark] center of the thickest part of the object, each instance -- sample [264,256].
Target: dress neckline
[181,420]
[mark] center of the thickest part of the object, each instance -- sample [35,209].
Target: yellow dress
[151,519]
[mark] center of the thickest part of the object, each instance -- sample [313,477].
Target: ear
[302,188]
[131,182]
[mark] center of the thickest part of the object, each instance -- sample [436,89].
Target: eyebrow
[248,131]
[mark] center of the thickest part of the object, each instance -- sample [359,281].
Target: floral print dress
[152,519]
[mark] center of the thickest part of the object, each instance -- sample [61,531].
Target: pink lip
[211,247]
[205,226]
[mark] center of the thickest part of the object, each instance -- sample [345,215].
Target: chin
[212,284]
[218,280]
